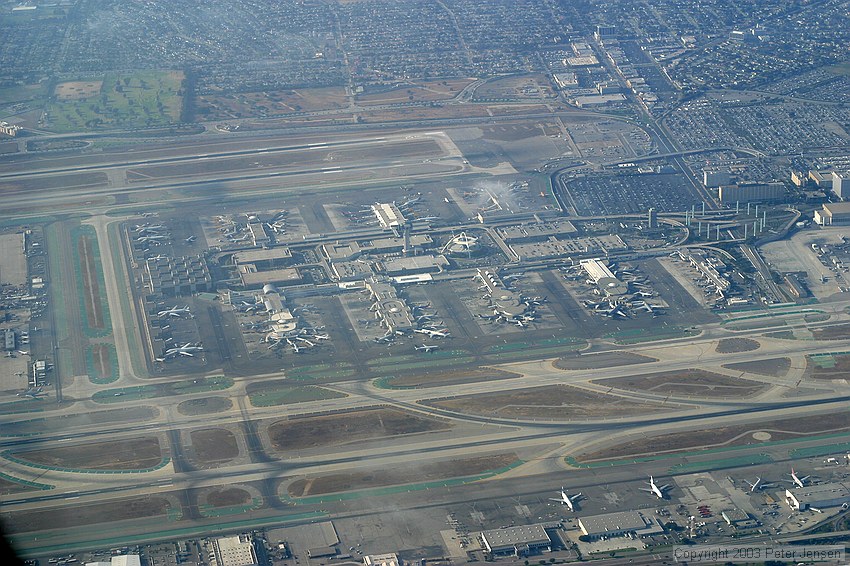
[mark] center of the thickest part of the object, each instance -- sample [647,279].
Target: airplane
[188,349]
[151,238]
[294,346]
[433,333]
[427,348]
[34,392]
[568,500]
[190,239]
[615,311]
[655,489]
[758,485]
[148,226]
[24,352]
[797,480]
[157,257]
[175,312]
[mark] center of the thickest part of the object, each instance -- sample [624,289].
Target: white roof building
[234,551]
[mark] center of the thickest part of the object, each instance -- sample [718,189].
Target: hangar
[616,524]
[518,541]
[818,496]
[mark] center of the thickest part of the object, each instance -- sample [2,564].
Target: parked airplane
[157,257]
[655,489]
[34,392]
[758,485]
[568,500]
[427,348]
[797,480]
[177,312]
[188,349]
[433,333]
[190,239]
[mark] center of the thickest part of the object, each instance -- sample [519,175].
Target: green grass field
[142,100]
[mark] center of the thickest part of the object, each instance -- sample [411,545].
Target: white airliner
[433,333]
[427,348]
[798,481]
[188,349]
[655,489]
[568,500]
[177,312]
[758,485]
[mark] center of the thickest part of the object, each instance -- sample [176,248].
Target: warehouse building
[234,551]
[818,496]
[739,518]
[388,559]
[618,524]
[518,541]
[837,213]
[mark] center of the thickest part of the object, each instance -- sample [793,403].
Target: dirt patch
[836,332]
[603,360]
[399,475]
[688,382]
[130,454]
[77,90]
[102,366]
[724,436]
[416,91]
[214,445]
[8,487]
[437,379]
[271,103]
[550,402]
[734,345]
[228,497]
[61,517]
[349,426]
[825,367]
[774,367]
[91,287]
[204,406]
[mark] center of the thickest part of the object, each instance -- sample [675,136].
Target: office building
[841,184]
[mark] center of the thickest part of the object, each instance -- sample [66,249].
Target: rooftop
[624,521]
[516,536]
